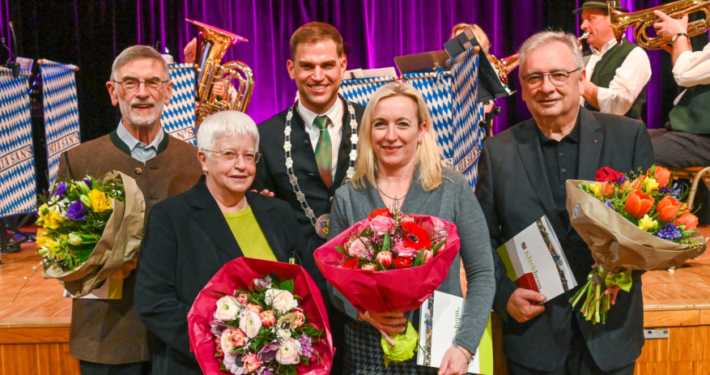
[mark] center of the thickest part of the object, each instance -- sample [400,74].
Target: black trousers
[92,368]
[579,361]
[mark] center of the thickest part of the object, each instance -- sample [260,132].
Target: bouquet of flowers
[83,222]
[246,323]
[368,261]
[634,222]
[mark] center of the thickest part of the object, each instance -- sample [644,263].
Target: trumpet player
[618,73]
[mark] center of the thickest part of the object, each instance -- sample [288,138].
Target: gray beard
[131,119]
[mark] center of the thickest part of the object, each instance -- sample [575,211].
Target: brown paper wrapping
[120,241]
[618,244]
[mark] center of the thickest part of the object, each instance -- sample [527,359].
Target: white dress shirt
[630,79]
[692,69]
[335,128]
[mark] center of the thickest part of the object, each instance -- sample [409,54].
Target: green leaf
[287,285]
[386,242]
[379,264]
[419,260]
[621,279]
[342,251]
[84,254]
[436,247]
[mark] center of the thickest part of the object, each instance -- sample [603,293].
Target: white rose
[250,323]
[226,342]
[281,300]
[289,352]
[75,239]
[227,309]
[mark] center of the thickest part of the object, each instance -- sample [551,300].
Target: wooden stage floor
[34,329]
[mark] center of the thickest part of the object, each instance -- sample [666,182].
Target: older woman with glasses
[399,167]
[190,236]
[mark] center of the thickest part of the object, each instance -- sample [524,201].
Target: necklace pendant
[322,226]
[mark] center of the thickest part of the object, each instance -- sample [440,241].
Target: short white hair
[226,124]
[545,37]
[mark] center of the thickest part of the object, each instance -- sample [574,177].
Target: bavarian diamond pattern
[61,111]
[18,192]
[436,89]
[467,133]
[361,89]
[178,117]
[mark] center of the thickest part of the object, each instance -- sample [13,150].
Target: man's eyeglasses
[131,84]
[230,156]
[557,78]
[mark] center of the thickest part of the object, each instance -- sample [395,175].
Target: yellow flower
[650,185]
[99,201]
[596,189]
[52,220]
[42,212]
[647,223]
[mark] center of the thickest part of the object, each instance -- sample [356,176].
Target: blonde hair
[477,32]
[428,152]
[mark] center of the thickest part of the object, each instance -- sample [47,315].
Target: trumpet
[643,19]
[505,65]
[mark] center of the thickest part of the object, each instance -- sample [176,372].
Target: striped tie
[324,150]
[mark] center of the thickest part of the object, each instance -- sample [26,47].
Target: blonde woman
[399,167]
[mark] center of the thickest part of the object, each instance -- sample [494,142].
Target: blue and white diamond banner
[468,134]
[360,90]
[61,111]
[18,191]
[178,117]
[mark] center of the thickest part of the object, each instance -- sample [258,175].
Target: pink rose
[242,299]
[404,251]
[237,337]
[298,317]
[385,258]
[438,224]
[368,266]
[382,224]
[251,362]
[358,249]
[428,255]
[255,308]
[267,318]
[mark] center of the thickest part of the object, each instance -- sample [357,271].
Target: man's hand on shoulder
[525,304]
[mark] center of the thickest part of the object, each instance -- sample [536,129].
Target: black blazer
[513,191]
[186,242]
[271,172]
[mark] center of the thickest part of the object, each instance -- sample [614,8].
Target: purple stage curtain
[90,33]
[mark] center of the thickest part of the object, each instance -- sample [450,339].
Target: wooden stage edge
[34,330]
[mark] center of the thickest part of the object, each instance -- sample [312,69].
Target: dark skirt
[363,354]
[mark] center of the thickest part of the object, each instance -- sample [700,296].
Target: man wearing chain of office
[309,150]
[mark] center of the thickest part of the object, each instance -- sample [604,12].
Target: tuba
[212,43]
[643,19]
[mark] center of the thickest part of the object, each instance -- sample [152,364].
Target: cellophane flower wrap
[390,262]
[261,317]
[90,229]
[630,222]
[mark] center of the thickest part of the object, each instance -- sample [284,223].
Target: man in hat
[617,73]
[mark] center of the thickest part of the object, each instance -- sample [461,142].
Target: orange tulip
[689,220]
[667,208]
[608,189]
[638,204]
[662,175]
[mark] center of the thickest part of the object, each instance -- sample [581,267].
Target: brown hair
[313,32]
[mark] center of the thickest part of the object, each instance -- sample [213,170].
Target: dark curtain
[90,33]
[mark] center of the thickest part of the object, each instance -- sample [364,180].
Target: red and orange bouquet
[369,262]
[630,222]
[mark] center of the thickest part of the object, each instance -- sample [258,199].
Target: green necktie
[324,150]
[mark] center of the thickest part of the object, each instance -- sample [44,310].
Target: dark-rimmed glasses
[132,84]
[230,156]
[557,78]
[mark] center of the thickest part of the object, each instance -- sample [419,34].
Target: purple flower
[608,204]
[268,371]
[87,181]
[306,346]
[621,180]
[672,192]
[61,190]
[268,352]
[263,283]
[76,211]
[218,327]
[670,232]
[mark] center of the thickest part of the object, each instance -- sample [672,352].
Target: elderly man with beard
[106,335]
[522,175]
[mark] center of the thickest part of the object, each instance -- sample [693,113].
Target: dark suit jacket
[187,241]
[271,173]
[513,191]
[109,331]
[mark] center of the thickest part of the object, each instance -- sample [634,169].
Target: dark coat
[271,173]
[187,241]
[109,331]
[513,191]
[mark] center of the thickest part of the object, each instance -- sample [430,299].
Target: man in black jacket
[522,174]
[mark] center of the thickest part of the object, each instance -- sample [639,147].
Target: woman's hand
[455,361]
[386,323]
